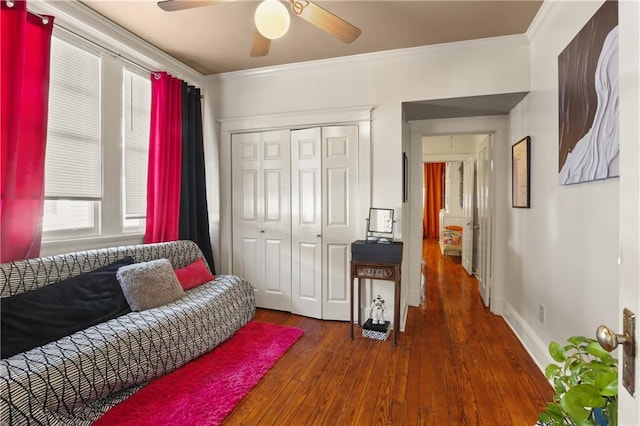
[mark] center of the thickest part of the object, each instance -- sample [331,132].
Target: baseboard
[529,339]
[403,319]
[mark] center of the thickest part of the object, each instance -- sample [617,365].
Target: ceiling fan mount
[305,9]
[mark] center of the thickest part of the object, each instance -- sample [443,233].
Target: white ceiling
[217,38]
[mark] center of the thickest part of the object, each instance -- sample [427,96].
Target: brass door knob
[608,339]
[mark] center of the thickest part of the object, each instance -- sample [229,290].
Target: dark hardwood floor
[455,364]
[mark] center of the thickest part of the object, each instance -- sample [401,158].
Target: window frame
[109,211]
[74,233]
[127,227]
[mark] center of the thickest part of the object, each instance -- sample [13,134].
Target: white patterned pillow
[149,284]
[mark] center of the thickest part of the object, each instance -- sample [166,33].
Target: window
[97,144]
[135,153]
[73,162]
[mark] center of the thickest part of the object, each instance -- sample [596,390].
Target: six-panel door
[262,215]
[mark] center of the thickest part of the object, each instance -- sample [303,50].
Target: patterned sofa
[76,379]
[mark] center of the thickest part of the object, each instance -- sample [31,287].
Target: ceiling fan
[273,15]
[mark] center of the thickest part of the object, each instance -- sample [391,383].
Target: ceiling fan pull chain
[297,6]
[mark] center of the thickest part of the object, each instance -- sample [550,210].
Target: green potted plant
[585,381]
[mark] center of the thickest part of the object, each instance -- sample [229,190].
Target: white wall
[562,252]
[383,80]
[450,147]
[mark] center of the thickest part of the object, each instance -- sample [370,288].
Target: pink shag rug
[205,390]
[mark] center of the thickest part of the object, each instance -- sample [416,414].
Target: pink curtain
[24,89]
[165,158]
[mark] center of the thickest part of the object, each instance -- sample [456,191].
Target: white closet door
[247,218]
[262,215]
[306,222]
[339,216]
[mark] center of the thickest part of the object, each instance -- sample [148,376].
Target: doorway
[462,220]
[493,131]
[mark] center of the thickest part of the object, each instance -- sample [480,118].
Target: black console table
[377,261]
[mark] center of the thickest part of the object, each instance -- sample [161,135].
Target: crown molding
[297,118]
[375,56]
[547,8]
[80,19]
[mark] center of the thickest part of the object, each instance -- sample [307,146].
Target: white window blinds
[73,164]
[137,122]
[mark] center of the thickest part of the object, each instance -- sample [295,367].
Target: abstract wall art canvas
[588,100]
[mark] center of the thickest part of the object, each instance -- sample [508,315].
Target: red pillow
[194,275]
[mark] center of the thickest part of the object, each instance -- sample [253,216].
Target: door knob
[262,231]
[608,339]
[319,236]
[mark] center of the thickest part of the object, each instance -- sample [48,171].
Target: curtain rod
[156,74]
[43,18]
[116,54]
[45,21]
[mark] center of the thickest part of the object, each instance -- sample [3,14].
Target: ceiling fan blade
[173,5]
[329,22]
[260,45]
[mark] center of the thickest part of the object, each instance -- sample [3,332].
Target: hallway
[474,356]
[456,364]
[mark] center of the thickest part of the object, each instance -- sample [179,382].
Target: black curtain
[194,215]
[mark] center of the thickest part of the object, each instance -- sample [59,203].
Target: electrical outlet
[541,313]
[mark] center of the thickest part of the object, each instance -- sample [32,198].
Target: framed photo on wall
[520,173]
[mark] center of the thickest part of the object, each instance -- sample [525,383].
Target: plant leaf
[544,418]
[579,397]
[604,378]
[611,390]
[559,386]
[611,412]
[585,422]
[580,340]
[553,415]
[557,352]
[596,350]
[551,370]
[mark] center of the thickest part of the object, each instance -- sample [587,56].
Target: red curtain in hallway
[165,159]
[432,176]
[24,89]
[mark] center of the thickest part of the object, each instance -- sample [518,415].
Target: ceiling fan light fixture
[272,19]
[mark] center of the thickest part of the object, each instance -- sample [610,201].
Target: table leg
[396,313]
[359,302]
[351,310]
